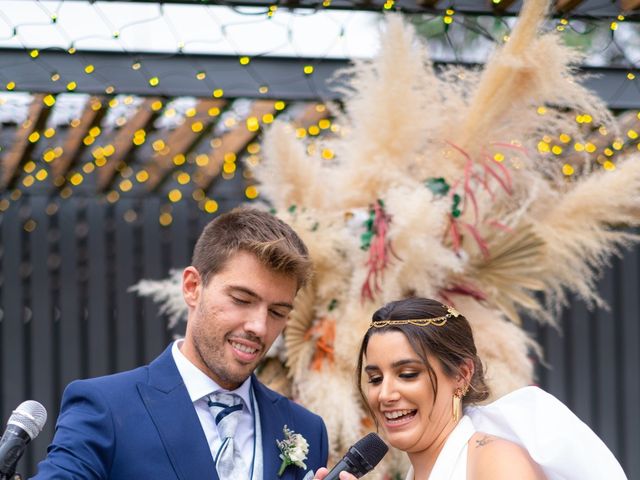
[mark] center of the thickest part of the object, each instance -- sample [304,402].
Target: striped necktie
[226,408]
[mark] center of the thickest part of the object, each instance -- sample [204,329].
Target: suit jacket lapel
[274,415]
[172,412]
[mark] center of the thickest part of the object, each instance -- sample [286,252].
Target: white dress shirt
[199,385]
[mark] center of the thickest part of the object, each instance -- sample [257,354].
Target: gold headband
[419,322]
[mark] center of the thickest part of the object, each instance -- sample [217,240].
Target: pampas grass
[523,226]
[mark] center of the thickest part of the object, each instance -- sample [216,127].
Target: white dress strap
[451,464]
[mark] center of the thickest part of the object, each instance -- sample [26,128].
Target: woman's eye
[374,380]
[408,375]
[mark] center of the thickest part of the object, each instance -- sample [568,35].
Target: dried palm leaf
[298,345]
[512,272]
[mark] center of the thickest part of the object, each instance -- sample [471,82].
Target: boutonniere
[293,450]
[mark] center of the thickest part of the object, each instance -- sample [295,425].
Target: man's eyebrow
[251,293]
[248,291]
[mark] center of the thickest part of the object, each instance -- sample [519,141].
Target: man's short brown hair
[271,240]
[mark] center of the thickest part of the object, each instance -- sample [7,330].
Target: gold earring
[458,393]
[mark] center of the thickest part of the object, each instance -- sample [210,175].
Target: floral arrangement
[452,185]
[293,450]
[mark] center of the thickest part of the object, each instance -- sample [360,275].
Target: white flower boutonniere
[293,448]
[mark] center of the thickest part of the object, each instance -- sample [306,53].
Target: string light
[142,176]
[76,179]
[252,124]
[210,206]
[251,192]
[327,154]
[175,195]
[49,100]
[198,195]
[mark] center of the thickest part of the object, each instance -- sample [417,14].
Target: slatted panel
[594,360]
[73,271]
[628,310]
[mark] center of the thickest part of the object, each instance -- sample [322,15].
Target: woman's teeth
[397,414]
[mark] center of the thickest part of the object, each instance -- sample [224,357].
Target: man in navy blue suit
[164,420]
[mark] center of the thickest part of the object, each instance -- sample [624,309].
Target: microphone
[25,423]
[360,459]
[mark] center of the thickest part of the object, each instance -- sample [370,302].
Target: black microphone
[25,423]
[361,457]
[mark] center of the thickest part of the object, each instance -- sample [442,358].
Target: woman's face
[400,394]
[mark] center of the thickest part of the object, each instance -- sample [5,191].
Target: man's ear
[191,286]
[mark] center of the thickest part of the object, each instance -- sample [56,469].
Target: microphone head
[30,416]
[372,448]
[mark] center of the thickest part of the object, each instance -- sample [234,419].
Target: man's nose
[256,324]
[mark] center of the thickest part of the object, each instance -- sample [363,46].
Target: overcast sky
[200,29]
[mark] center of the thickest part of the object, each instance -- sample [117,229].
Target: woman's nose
[388,391]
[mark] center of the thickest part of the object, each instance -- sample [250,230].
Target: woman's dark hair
[452,343]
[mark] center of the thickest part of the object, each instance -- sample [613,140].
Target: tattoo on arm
[483,441]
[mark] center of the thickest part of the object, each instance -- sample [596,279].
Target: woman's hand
[322,472]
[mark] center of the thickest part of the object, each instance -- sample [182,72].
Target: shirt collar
[199,384]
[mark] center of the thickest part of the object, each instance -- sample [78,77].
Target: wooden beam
[94,110]
[565,6]
[630,5]
[501,5]
[311,115]
[182,140]
[22,147]
[123,143]
[232,142]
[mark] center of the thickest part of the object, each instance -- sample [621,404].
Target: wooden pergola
[136,155]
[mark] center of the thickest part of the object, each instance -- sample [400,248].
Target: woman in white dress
[421,369]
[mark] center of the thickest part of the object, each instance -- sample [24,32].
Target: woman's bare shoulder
[495,458]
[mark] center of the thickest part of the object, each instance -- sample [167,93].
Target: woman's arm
[493,458]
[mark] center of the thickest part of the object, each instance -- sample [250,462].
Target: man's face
[235,318]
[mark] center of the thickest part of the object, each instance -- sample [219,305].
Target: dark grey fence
[65,313]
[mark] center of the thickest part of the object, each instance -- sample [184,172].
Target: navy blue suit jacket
[142,424]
